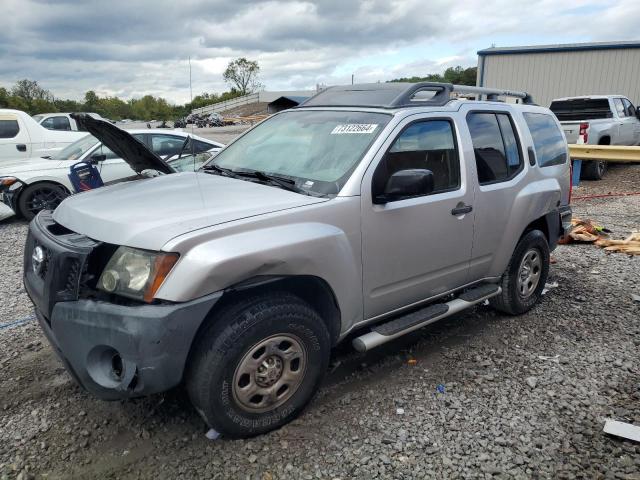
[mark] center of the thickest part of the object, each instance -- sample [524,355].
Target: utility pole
[190,87]
[352,75]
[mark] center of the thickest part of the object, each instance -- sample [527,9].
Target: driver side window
[428,145]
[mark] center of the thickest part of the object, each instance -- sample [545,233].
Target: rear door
[14,137]
[500,170]
[625,124]
[416,248]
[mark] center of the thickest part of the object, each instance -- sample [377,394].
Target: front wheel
[40,196]
[526,275]
[258,364]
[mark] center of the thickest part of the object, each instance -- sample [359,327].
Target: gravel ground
[524,397]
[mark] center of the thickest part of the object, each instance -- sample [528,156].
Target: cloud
[132,48]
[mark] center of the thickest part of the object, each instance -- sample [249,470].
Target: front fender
[306,248]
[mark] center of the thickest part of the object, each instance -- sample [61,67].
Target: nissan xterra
[369,211]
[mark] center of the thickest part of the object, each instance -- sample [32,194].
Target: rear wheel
[526,275]
[593,170]
[258,364]
[40,196]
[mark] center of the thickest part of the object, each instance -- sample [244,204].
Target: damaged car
[366,213]
[28,186]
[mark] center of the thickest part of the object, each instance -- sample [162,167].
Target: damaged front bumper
[113,350]
[117,351]
[9,193]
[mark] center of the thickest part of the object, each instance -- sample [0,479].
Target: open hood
[120,142]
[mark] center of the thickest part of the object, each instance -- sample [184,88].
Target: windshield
[190,163]
[76,149]
[316,149]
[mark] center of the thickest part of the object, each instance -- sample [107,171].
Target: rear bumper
[117,351]
[565,219]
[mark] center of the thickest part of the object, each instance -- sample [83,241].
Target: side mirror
[405,184]
[97,158]
[638,112]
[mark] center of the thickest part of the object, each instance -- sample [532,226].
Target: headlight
[7,181]
[136,273]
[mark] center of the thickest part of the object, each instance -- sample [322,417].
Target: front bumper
[9,195]
[114,351]
[117,351]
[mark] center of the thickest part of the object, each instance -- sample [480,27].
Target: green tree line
[456,75]
[30,97]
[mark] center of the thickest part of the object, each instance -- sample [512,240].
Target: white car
[30,185]
[60,121]
[22,137]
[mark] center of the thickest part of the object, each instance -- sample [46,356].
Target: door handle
[461,209]
[21,147]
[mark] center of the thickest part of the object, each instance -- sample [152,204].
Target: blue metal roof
[569,47]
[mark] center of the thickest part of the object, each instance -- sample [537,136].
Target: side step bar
[397,327]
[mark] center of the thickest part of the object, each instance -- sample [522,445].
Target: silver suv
[368,212]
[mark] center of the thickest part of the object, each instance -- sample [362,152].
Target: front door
[419,247]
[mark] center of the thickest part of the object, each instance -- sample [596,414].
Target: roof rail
[399,94]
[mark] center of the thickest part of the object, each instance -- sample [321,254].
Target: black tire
[513,299]
[40,196]
[593,170]
[214,377]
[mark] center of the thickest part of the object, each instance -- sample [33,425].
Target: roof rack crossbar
[493,93]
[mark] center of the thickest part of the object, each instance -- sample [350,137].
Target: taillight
[583,132]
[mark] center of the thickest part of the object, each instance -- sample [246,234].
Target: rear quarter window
[9,128]
[550,145]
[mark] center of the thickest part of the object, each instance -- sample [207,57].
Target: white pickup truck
[22,137]
[598,120]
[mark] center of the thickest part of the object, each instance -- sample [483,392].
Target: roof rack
[399,94]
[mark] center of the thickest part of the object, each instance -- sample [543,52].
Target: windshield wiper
[212,167]
[282,182]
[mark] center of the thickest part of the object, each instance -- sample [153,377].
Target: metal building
[552,71]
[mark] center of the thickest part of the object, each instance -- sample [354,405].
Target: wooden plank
[621,429]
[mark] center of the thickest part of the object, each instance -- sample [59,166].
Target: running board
[397,327]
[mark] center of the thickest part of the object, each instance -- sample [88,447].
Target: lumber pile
[630,245]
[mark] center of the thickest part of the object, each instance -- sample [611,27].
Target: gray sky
[130,48]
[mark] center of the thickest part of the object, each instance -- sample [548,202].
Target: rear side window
[199,147]
[631,110]
[9,128]
[495,145]
[551,148]
[427,144]
[581,109]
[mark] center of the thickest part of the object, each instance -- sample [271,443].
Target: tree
[91,101]
[242,74]
[29,90]
[456,75]
[4,97]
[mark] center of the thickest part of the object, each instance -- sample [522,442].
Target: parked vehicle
[180,123]
[371,208]
[598,120]
[31,185]
[60,121]
[22,137]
